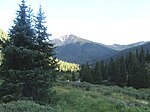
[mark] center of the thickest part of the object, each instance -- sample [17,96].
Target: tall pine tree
[97,76]
[122,74]
[45,61]
[28,64]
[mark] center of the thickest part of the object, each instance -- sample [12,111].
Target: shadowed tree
[29,64]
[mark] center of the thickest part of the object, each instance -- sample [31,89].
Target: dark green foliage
[121,78]
[112,69]
[86,73]
[28,67]
[103,70]
[131,70]
[43,44]
[97,76]
[90,74]
[73,77]
[147,56]
[22,33]
[24,106]
[32,84]
[68,76]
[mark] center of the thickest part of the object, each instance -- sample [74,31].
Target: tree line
[28,66]
[130,70]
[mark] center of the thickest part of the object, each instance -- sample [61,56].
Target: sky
[102,21]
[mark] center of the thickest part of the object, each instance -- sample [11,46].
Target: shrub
[24,106]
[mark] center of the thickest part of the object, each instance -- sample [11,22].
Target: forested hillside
[129,70]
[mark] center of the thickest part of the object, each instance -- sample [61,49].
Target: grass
[89,98]
[85,97]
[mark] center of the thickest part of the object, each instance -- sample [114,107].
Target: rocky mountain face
[69,39]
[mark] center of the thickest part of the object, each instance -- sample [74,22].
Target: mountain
[119,47]
[145,46]
[69,39]
[77,50]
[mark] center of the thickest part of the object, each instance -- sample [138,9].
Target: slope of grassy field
[85,97]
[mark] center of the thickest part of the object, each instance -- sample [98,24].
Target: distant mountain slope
[77,50]
[119,47]
[145,46]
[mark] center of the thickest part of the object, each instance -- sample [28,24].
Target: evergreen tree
[137,54]
[45,60]
[142,57]
[121,75]
[28,66]
[143,74]
[136,75]
[82,73]
[103,70]
[43,44]
[147,81]
[112,70]
[97,76]
[73,76]
[17,61]
[147,57]
[86,73]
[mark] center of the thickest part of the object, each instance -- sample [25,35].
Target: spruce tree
[17,57]
[28,66]
[43,44]
[44,61]
[143,76]
[73,77]
[135,78]
[147,56]
[86,73]
[97,73]
[122,74]
[112,70]
[103,70]
[82,73]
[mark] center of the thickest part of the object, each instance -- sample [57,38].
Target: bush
[24,106]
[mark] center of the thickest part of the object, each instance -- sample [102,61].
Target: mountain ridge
[120,47]
[72,48]
[78,50]
[69,39]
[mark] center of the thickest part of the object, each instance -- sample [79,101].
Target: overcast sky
[103,21]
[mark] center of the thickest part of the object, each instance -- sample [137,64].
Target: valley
[41,73]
